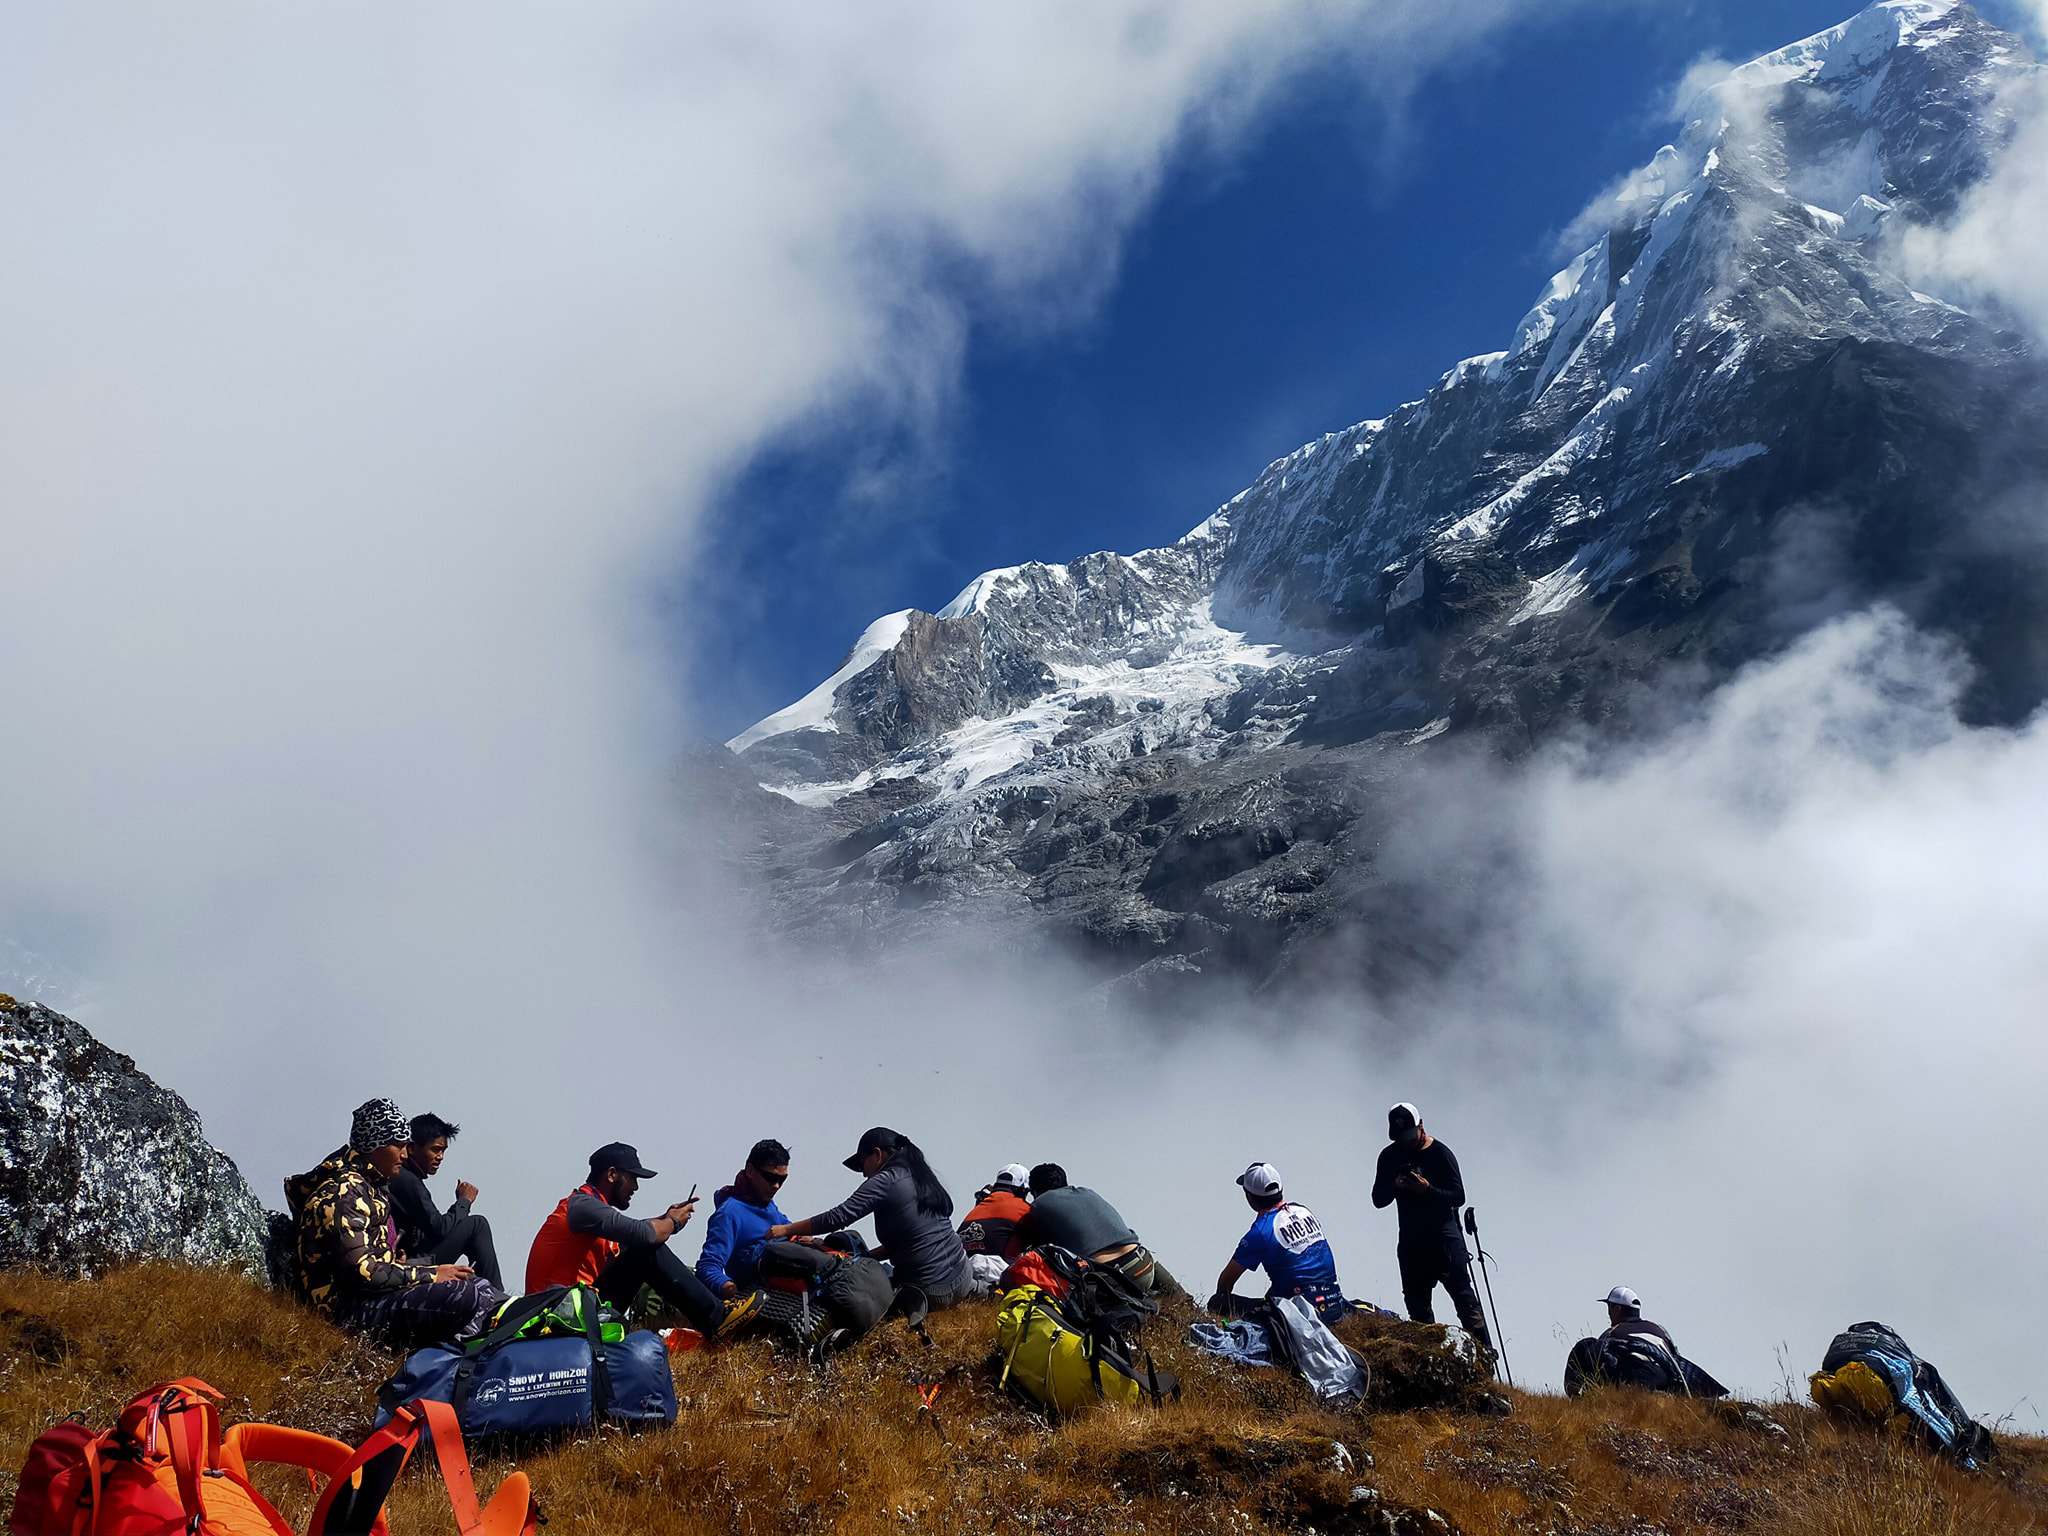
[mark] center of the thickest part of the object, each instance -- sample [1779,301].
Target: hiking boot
[738,1314]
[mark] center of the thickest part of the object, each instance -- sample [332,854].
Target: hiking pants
[1424,1269]
[469,1238]
[432,1312]
[673,1281]
[1329,1306]
[1137,1269]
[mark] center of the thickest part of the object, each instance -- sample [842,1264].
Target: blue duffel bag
[503,1384]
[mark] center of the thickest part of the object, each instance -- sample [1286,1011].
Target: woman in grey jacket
[913,1217]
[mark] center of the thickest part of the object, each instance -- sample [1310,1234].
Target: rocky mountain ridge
[1728,418]
[100,1165]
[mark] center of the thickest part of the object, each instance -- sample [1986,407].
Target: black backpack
[1098,1299]
[826,1300]
[1634,1361]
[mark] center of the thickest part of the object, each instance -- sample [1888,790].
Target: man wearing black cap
[1418,1174]
[590,1240]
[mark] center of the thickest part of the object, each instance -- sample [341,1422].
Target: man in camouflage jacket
[348,1245]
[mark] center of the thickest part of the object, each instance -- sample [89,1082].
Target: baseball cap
[1622,1296]
[1013,1176]
[877,1136]
[1261,1180]
[1402,1117]
[616,1154]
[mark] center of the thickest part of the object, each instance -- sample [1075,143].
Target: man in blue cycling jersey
[1287,1242]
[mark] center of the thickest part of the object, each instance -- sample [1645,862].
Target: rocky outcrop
[99,1164]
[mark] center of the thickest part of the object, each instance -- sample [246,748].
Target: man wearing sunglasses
[741,1214]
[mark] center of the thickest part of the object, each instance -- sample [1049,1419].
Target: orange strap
[454,1460]
[97,1474]
[189,1426]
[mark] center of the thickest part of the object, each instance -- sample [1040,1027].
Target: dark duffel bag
[502,1384]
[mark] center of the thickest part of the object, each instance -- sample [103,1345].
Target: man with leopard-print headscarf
[348,1245]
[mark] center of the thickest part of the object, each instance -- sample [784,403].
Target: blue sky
[1330,269]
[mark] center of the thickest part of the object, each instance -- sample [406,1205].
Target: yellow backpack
[1062,1368]
[1855,1391]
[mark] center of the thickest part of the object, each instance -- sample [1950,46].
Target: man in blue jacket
[1287,1242]
[741,1214]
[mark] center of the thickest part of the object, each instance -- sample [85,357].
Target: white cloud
[365,368]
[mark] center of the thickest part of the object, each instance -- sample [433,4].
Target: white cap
[1622,1296]
[1013,1176]
[1261,1180]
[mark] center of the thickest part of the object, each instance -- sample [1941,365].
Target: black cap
[879,1137]
[616,1154]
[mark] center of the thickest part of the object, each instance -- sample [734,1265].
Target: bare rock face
[100,1165]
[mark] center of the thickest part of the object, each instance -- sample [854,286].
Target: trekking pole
[1500,1342]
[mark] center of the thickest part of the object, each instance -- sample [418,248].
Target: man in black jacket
[429,1235]
[1418,1174]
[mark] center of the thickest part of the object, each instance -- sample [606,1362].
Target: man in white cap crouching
[1625,1318]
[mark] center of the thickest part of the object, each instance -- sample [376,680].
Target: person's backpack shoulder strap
[353,1504]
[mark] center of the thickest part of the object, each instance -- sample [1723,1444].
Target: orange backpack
[165,1469]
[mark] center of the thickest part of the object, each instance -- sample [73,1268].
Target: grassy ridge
[763,1446]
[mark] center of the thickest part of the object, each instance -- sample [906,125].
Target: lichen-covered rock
[99,1164]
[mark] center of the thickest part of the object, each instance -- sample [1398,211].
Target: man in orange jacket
[589,1239]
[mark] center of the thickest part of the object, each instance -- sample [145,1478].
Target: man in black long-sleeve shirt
[429,1235]
[1418,1174]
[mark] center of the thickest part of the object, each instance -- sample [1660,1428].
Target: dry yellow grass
[763,1446]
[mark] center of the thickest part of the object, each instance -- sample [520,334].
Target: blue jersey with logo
[1287,1242]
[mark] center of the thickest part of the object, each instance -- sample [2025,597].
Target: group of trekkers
[377,1255]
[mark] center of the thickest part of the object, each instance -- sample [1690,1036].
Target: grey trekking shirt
[1076,1219]
[924,1248]
[590,1213]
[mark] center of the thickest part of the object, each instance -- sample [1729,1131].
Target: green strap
[600,1371]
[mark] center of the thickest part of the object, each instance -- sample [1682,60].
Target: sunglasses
[775,1179]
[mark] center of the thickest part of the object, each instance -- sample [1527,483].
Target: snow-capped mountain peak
[1729,376]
